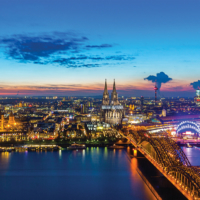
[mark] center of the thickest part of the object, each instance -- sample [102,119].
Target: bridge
[169,159]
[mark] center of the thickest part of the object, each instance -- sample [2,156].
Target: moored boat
[189,146]
[116,147]
[77,146]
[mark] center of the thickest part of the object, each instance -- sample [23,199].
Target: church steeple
[105,100]
[114,88]
[114,97]
[105,88]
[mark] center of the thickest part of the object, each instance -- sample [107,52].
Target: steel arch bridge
[169,158]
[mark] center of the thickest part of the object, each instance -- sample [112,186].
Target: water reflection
[134,165]
[4,161]
[60,153]
[94,172]
[193,155]
[105,152]
[83,154]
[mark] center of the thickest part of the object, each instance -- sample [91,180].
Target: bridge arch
[188,128]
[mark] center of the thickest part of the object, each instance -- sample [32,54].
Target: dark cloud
[99,46]
[90,65]
[196,84]
[79,60]
[64,61]
[70,63]
[119,57]
[62,48]
[159,79]
[34,48]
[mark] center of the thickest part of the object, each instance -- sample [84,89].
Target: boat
[116,147]
[8,150]
[189,146]
[77,146]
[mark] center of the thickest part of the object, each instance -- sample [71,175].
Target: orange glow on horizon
[93,88]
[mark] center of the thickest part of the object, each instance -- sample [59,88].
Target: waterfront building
[112,110]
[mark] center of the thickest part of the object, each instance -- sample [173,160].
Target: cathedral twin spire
[114,97]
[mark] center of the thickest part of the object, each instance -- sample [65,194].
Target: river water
[193,155]
[93,173]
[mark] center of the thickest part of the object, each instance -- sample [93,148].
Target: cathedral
[112,111]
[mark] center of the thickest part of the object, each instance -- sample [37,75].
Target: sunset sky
[69,47]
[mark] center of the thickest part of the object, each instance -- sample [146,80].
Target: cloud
[60,48]
[159,79]
[196,84]
[79,60]
[99,46]
[119,57]
[35,48]
[70,63]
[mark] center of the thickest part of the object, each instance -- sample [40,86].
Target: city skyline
[70,48]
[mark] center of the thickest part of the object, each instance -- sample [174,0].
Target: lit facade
[197,97]
[112,111]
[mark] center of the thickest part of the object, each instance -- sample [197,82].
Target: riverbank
[100,142]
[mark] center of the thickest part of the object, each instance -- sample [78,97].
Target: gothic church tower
[105,100]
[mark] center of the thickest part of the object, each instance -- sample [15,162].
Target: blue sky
[69,47]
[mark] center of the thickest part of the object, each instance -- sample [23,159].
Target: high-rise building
[142,102]
[112,111]
[197,97]
[82,108]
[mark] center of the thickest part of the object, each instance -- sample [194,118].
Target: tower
[105,100]
[114,96]
[155,88]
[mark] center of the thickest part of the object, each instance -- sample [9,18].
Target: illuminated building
[164,113]
[112,111]
[82,108]
[136,118]
[142,102]
[2,122]
[11,119]
[197,97]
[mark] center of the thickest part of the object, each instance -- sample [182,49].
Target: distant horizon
[145,94]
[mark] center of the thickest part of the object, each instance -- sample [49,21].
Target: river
[93,173]
[193,155]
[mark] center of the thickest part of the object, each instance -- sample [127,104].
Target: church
[112,111]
